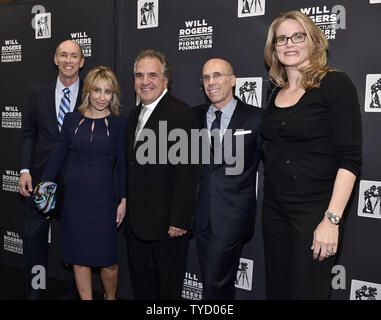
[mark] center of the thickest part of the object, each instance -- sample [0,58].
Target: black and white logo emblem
[244,277]
[370,199]
[11,51]
[11,181]
[13,242]
[250,8]
[328,20]
[249,90]
[84,41]
[373,93]
[148,14]
[361,290]
[11,117]
[43,25]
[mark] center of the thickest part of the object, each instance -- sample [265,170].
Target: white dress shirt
[144,116]
[72,95]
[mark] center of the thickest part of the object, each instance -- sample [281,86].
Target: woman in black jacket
[311,134]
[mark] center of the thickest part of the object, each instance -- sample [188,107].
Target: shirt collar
[152,105]
[60,86]
[226,111]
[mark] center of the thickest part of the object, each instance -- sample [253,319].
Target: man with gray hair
[160,195]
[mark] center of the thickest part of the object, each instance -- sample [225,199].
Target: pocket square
[240,132]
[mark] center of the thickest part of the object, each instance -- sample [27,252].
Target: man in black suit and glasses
[226,202]
[42,123]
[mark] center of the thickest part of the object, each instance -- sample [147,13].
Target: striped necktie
[64,107]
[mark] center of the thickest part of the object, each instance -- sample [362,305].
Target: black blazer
[40,128]
[229,201]
[160,195]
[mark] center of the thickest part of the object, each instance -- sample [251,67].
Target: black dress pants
[219,259]
[37,230]
[157,268]
[288,225]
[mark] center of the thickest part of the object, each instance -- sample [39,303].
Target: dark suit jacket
[40,128]
[229,201]
[160,195]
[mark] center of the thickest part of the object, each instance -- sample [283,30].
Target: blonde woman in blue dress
[91,144]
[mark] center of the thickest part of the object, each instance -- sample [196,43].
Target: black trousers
[288,225]
[37,230]
[219,259]
[157,268]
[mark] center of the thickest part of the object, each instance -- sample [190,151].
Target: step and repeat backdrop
[189,32]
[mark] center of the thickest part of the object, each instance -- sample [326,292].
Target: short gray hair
[165,68]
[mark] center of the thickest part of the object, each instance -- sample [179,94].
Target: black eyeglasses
[295,38]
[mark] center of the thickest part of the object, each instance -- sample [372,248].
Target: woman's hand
[121,212]
[326,235]
[325,241]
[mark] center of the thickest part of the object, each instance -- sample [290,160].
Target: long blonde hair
[311,74]
[93,77]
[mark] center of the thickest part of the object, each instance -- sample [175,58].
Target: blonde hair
[93,77]
[311,74]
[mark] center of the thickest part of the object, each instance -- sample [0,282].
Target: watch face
[335,219]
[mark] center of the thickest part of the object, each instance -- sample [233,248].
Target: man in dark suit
[45,111]
[227,197]
[161,194]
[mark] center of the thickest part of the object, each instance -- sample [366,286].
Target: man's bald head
[218,80]
[70,43]
[221,62]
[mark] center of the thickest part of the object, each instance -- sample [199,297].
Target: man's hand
[176,232]
[25,184]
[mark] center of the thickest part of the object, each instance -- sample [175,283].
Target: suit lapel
[203,115]
[51,105]
[79,96]
[238,118]
[153,120]
[132,123]
[156,115]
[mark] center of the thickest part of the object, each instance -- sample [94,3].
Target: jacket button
[283,123]
[294,177]
[288,161]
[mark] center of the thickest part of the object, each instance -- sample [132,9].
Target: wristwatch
[334,218]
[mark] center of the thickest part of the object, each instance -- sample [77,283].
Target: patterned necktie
[141,122]
[216,124]
[64,107]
